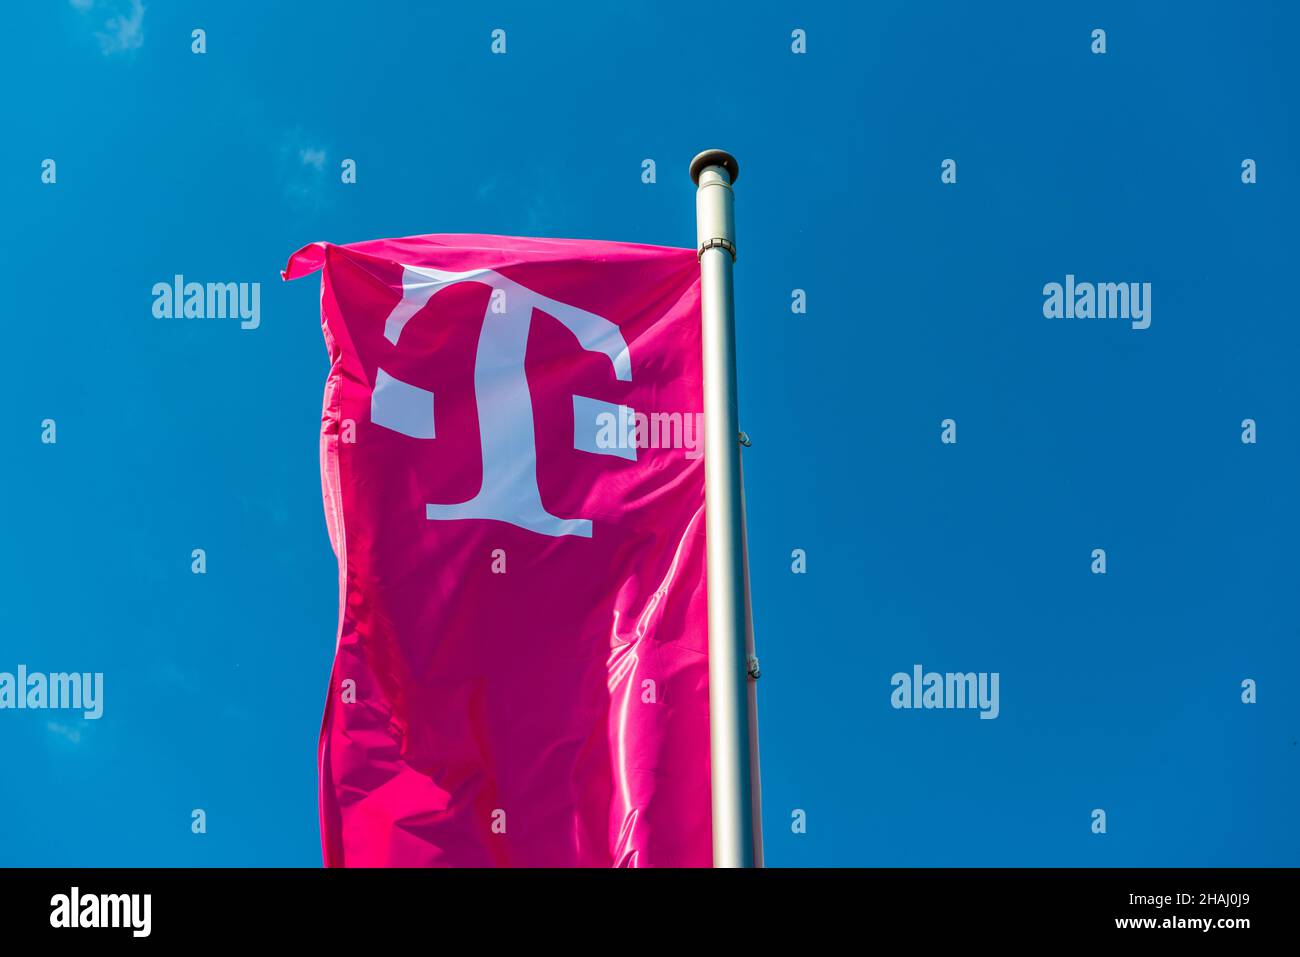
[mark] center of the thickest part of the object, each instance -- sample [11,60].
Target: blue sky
[1119,692]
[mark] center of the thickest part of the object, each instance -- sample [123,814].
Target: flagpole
[733,738]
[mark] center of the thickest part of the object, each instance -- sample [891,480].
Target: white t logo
[505,410]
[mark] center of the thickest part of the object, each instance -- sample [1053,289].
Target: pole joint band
[726,244]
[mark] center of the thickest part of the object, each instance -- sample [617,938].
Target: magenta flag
[511,458]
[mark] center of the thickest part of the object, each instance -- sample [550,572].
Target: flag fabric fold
[511,461]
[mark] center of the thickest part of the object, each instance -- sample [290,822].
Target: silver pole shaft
[730,735]
[751,668]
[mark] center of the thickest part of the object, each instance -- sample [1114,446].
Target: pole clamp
[751,667]
[726,244]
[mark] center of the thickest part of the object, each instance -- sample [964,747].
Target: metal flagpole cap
[709,158]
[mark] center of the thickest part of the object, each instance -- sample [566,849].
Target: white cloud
[312,157]
[72,734]
[303,162]
[83,5]
[123,31]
